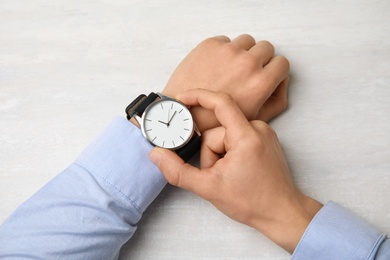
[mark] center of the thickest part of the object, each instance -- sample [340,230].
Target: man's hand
[243,172]
[248,71]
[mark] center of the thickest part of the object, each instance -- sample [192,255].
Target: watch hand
[171,118]
[163,123]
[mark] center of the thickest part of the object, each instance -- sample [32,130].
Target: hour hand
[163,122]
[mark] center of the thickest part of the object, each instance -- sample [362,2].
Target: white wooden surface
[68,67]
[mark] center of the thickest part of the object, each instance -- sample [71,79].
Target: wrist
[289,222]
[134,122]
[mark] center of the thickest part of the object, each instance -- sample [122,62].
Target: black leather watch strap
[190,149]
[138,106]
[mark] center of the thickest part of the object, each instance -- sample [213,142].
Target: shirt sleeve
[335,233]
[90,209]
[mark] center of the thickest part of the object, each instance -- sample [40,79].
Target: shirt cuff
[119,157]
[336,233]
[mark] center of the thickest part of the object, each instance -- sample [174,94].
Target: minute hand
[171,118]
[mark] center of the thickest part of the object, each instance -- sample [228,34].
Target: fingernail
[155,156]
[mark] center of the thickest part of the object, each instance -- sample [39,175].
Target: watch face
[167,123]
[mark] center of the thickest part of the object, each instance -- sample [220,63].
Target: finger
[276,103]
[264,51]
[244,41]
[178,173]
[212,146]
[223,105]
[271,76]
[276,70]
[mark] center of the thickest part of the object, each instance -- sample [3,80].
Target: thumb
[174,169]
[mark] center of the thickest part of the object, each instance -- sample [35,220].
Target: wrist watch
[166,123]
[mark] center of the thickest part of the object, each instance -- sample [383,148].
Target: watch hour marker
[163,144]
[162,106]
[173,143]
[148,120]
[181,138]
[154,138]
[186,129]
[148,130]
[181,110]
[172,106]
[186,119]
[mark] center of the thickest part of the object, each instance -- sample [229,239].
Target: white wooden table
[68,67]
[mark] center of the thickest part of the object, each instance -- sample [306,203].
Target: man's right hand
[243,172]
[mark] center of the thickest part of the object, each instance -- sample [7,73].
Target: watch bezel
[156,102]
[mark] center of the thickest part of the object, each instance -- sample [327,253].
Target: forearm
[91,209]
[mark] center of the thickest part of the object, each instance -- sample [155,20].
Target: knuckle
[266,44]
[263,128]
[280,69]
[173,174]
[258,125]
[180,176]
[230,50]
[225,98]
[211,43]
[284,62]
[172,179]
[248,36]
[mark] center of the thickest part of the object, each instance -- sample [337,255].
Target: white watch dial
[167,123]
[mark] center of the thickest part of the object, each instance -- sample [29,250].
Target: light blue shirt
[92,208]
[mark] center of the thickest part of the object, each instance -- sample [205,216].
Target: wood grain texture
[68,67]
